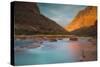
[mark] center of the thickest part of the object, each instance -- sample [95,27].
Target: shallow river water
[59,51]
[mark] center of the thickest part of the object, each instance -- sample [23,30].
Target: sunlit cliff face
[84,18]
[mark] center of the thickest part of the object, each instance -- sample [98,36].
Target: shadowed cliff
[29,20]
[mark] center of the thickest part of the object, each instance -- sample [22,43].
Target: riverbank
[42,36]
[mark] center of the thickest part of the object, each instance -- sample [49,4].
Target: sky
[60,13]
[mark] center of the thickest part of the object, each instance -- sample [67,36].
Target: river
[60,51]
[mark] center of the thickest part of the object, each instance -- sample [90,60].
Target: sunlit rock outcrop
[85,18]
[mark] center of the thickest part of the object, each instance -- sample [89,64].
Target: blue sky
[61,13]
